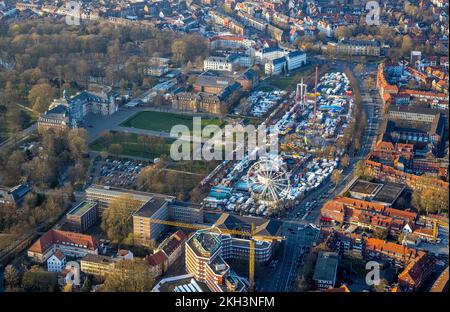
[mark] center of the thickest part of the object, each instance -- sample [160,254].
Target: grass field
[162,121]
[155,147]
[6,240]
[198,167]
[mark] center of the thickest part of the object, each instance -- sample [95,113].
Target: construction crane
[250,234]
[435,230]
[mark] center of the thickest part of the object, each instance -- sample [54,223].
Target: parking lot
[259,103]
[113,171]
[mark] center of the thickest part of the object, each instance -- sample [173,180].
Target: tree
[430,199]
[380,233]
[359,68]
[43,91]
[381,286]
[407,44]
[40,105]
[345,161]
[87,285]
[129,276]
[336,177]
[35,280]
[360,169]
[115,149]
[117,219]
[12,276]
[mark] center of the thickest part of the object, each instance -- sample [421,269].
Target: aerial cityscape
[244,146]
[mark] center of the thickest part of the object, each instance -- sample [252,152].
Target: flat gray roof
[326,266]
[82,208]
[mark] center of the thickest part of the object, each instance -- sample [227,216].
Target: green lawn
[199,167]
[162,121]
[154,148]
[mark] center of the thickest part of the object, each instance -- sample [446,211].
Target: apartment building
[358,47]
[379,249]
[367,214]
[204,261]
[173,246]
[232,42]
[97,265]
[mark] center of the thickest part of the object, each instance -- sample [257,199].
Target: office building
[83,216]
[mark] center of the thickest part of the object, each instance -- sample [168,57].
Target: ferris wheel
[268,182]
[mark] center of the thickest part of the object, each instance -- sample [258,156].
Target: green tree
[129,276]
[117,218]
[115,149]
[43,91]
[35,280]
[335,177]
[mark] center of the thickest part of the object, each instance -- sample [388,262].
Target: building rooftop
[262,226]
[170,244]
[82,208]
[181,283]
[98,259]
[115,191]
[64,238]
[326,266]
[365,188]
[150,207]
[219,266]
[204,243]
[389,193]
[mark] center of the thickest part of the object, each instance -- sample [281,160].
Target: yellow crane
[250,234]
[435,229]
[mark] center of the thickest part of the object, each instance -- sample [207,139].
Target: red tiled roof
[392,249]
[58,254]
[416,271]
[63,237]
[175,240]
[427,232]
[156,259]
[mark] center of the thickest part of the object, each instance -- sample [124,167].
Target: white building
[56,262]
[220,63]
[295,59]
[276,66]
[230,41]
[277,60]
[267,54]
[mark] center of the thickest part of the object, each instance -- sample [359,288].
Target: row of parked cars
[262,102]
[118,172]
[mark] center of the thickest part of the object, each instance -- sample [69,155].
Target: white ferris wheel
[268,182]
